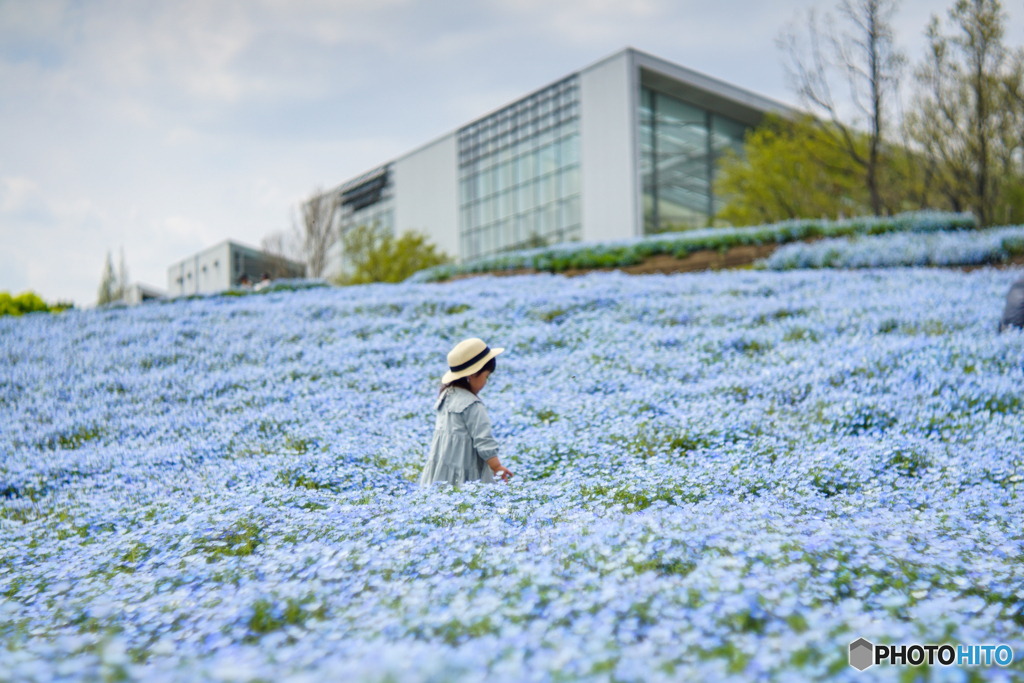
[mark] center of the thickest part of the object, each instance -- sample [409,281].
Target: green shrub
[28,302]
[378,256]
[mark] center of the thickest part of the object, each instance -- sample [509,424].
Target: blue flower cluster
[958,248]
[627,252]
[719,476]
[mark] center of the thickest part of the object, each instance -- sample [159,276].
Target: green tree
[375,255]
[968,112]
[790,169]
[27,302]
[108,284]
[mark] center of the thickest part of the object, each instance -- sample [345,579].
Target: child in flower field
[463,448]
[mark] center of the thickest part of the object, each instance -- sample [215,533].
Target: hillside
[717,474]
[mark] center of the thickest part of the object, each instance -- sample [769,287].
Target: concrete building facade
[226,265]
[627,146]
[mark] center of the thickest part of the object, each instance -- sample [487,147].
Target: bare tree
[113,285]
[316,230]
[864,56]
[278,249]
[969,113]
[121,290]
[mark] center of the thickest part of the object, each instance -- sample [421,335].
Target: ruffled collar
[456,399]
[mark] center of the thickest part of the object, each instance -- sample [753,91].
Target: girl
[463,448]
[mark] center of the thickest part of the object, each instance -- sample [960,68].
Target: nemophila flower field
[633,250]
[720,476]
[957,248]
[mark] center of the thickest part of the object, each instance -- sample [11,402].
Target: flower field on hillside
[633,250]
[957,248]
[719,476]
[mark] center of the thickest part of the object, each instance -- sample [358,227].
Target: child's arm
[479,426]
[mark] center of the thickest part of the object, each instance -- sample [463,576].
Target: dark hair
[463,382]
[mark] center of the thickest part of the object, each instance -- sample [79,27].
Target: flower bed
[960,248]
[629,252]
[718,475]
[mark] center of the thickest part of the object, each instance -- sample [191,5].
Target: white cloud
[18,195]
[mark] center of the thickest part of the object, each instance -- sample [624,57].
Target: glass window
[570,178]
[537,154]
[521,230]
[505,176]
[529,226]
[547,158]
[574,211]
[564,219]
[505,204]
[525,198]
[527,167]
[548,188]
[677,159]
[551,213]
[570,150]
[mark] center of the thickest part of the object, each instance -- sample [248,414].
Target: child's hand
[500,472]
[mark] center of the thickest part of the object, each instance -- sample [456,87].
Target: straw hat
[467,358]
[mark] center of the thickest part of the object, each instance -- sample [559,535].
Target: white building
[626,146]
[139,293]
[226,265]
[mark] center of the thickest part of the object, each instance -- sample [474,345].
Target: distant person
[264,282]
[244,282]
[463,448]
[1013,314]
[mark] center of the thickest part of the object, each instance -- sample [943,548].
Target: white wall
[204,273]
[608,151]
[427,193]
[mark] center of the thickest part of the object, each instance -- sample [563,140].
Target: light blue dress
[462,443]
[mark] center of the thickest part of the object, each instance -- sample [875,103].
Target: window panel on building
[524,200]
[680,144]
[533,146]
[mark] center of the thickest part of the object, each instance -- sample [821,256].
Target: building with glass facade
[627,146]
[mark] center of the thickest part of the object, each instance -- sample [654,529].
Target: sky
[161,128]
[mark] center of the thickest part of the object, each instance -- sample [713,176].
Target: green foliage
[375,255]
[789,170]
[798,168]
[269,615]
[28,302]
[74,438]
[241,539]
